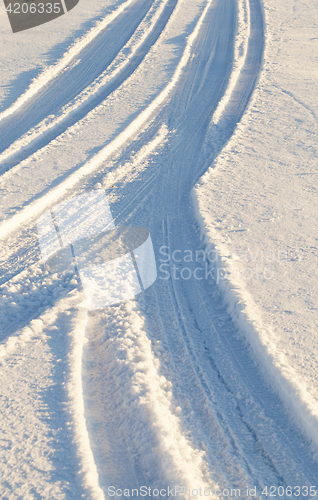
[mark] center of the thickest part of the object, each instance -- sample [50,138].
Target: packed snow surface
[196,120]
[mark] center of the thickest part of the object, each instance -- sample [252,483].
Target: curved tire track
[250,415]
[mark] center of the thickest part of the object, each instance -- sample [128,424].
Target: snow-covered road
[164,389]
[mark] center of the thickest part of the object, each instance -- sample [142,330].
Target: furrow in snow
[261,455]
[240,53]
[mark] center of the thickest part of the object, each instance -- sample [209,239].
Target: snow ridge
[137,436]
[75,392]
[35,328]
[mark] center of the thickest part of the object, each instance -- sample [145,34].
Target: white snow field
[198,119]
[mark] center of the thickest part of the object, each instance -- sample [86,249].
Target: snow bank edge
[301,406]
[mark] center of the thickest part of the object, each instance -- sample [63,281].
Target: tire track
[210,388]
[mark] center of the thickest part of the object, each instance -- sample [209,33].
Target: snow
[165,115]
